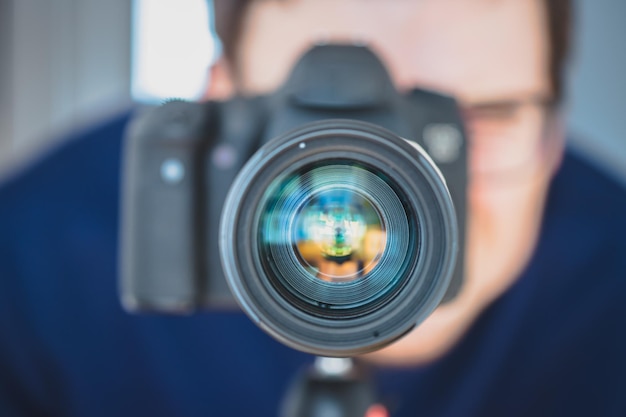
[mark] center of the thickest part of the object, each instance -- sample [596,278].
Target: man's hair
[229,20]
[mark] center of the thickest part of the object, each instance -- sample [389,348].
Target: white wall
[63,61]
[6,99]
[598,95]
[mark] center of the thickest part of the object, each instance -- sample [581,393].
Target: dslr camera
[332,211]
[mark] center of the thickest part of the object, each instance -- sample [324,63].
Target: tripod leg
[332,387]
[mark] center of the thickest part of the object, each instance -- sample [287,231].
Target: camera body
[180,160]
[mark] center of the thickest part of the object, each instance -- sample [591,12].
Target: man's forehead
[455,45]
[476,48]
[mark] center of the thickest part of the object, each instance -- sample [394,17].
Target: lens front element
[339,237]
[334,238]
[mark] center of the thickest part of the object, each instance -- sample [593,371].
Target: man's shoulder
[591,188]
[85,158]
[67,190]
[583,241]
[586,204]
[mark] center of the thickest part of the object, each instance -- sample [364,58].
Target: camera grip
[159,237]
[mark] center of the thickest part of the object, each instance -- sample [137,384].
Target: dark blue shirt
[554,344]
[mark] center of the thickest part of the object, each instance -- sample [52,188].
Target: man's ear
[220,83]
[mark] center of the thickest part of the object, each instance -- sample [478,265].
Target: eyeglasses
[506,136]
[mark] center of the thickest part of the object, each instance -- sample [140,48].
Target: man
[538,328]
[496,59]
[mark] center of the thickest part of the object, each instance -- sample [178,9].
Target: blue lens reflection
[335,235]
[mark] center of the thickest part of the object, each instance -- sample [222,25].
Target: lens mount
[339,237]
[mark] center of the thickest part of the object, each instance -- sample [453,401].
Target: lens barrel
[339,237]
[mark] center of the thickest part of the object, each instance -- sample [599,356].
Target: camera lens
[334,238]
[339,237]
[338,233]
[330,233]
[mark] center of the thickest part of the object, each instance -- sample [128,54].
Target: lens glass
[335,236]
[339,234]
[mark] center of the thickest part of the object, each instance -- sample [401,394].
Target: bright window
[172,49]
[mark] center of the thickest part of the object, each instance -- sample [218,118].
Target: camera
[331,211]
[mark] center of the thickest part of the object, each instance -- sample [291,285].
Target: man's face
[493,56]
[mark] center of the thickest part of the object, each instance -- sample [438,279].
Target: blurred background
[67,63]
